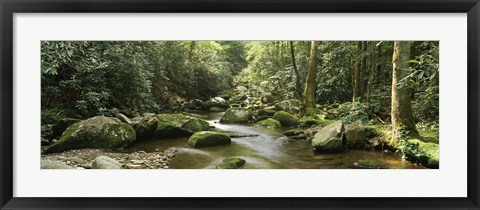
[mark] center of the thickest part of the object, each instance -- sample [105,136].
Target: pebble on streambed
[99,159]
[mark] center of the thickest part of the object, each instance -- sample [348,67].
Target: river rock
[146,126]
[233,162]
[123,118]
[208,138]
[269,98]
[47,131]
[194,104]
[217,101]
[237,115]
[96,132]
[177,125]
[217,109]
[104,162]
[51,164]
[286,119]
[291,106]
[355,135]
[266,112]
[269,123]
[330,138]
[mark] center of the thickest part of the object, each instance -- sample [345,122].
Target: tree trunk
[372,72]
[192,48]
[402,114]
[297,75]
[356,73]
[308,105]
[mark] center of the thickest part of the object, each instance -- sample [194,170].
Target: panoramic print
[239,104]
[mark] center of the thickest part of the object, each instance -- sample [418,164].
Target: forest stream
[262,148]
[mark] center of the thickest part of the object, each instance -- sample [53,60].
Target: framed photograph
[239,105]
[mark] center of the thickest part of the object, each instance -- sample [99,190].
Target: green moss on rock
[269,123]
[146,126]
[177,125]
[286,119]
[293,132]
[233,162]
[208,138]
[266,112]
[96,132]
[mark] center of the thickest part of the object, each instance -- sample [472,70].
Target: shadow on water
[264,149]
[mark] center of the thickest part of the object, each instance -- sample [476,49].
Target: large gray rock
[51,164]
[145,126]
[178,125]
[330,139]
[216,102]
[104,162]
[291,106]
[208,138]
[355,135]
[123,118]
[237,115]
[96,132]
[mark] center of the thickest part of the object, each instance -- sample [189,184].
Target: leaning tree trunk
[308,105]
[402,114]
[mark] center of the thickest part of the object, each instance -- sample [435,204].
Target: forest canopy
[100,77]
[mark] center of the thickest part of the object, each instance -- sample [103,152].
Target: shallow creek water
[269,149]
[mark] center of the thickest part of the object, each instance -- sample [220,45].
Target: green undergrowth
[422,148]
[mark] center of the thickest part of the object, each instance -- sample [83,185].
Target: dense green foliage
[92,78]
[104,77]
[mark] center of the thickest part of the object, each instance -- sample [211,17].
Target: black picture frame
[9,7]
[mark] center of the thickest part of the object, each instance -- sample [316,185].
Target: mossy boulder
[330,139]
[62,125]
[369,164]
[291,106]
[295,134]
[96,132]
[286,119]
[266,112]
[237,115]
[208,138]
[233,163]
[238,98]
[177,125]
[145,126]
[217,101]
[355,135]
[269,123]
